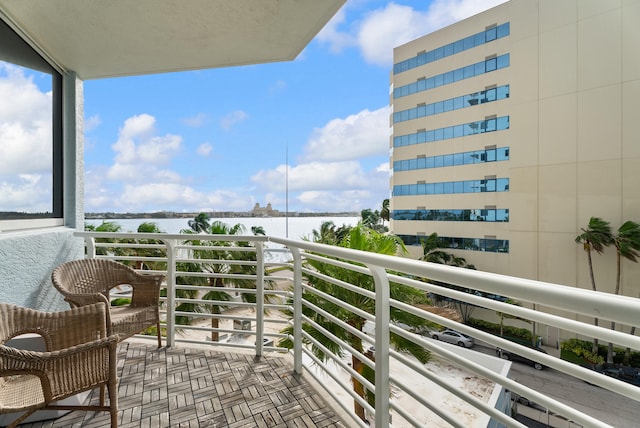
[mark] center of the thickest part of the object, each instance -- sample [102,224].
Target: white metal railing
[174,250]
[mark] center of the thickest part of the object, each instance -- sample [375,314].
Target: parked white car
[454,337]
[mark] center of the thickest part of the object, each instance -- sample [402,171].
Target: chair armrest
[146,290]
[77,299]
[63,372]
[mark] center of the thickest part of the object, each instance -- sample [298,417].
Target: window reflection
[467,72]
[472,128]
[469,100]
[30,133]
[470,244]
[449,187]
[470,42]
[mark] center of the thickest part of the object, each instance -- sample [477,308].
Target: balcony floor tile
[195,387]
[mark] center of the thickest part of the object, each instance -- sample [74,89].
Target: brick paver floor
[194,387]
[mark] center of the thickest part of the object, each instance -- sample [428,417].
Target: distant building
[510,129]
[264,212]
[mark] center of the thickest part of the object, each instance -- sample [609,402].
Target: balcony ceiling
[97,38]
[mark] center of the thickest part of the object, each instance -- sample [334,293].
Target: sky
[221,139]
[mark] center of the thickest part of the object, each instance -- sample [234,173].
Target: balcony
[278,284]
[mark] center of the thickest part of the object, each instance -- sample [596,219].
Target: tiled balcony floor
[192,387]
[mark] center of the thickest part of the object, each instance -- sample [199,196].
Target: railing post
[297,310]
[383,318]
[171,290]
[259,298]
[90,245]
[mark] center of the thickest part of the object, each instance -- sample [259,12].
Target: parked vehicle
[454,337]
[624,373]
[507,355]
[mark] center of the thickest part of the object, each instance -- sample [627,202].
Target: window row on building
[452,159]
[463,101]
[452,187]
[477,127]
[466,72]
[481,214]
[488,35]
[489,245]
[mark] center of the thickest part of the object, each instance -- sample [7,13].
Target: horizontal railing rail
[240,279]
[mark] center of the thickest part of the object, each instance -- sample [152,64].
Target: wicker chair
[87,281]
[79,357]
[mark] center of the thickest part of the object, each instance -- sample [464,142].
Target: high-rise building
[514,127]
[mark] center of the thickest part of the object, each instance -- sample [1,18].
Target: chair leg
[159,334]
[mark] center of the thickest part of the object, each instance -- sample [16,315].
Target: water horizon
[281,227]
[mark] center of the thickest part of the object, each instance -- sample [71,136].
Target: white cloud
[360,135]
[336,39]
[139,152]
[196,121]
[312,176]
[25,142]
[25,124]
[91,123]
[177,197]
[383,29]
[205,149]
[277,87]
[233,118]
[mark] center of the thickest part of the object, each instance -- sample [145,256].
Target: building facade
[514,127]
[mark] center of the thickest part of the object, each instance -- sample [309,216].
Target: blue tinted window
[456,131]
[503,61]
[447,78]
[470,42]
[503,30]
[471,244]
[491,34]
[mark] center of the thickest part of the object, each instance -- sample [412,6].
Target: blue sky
[217,140]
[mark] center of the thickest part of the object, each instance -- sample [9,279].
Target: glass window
[31,160]
[503,30]
[448,77]
[491,64]
[503,61]
[491,34]
[448,49]
[430,189]
[458,46]
[430,162]
[448,105]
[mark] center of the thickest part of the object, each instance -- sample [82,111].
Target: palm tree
[371,219]
[432,252]
[364,239]
[595,237]
[627,243]
[329,233]
[150,227]
[218,261]
[107,226]
[258,230]
[384,212]
[200,224]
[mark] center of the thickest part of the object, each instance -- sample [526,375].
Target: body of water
[281,227]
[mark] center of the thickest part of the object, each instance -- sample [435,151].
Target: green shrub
[509,332]
[120,301]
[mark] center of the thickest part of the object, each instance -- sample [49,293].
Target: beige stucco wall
[574,142]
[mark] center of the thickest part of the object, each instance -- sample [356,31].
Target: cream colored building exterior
[572,136]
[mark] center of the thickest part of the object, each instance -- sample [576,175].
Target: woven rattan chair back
[78,357]
[88,281]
